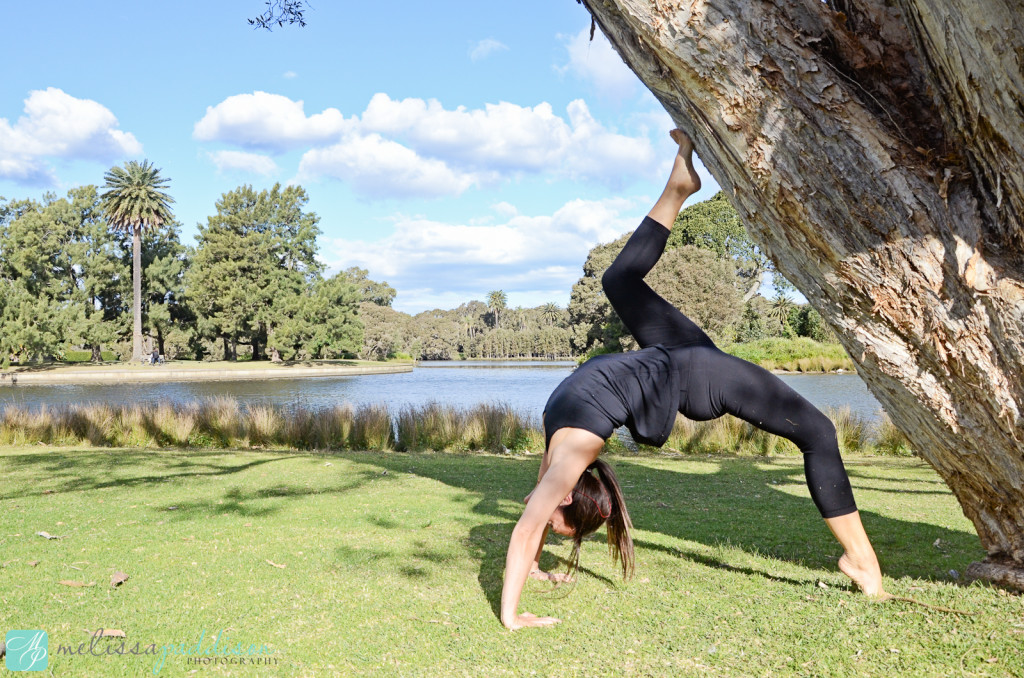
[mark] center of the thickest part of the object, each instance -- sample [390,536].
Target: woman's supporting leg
[649,318]
[720,383]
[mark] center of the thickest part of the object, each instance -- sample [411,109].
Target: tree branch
[280,12]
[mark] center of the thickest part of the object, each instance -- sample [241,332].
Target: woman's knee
[615,282]
[812,430]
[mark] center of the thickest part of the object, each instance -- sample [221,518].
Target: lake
[523,385]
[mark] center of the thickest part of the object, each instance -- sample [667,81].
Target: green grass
[793,355]
[392,566]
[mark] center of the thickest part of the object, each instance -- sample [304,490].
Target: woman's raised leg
[649,318]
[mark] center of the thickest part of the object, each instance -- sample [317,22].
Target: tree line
[253,287]
[98,269]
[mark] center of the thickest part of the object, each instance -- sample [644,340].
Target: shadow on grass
[79,470]
[739,504]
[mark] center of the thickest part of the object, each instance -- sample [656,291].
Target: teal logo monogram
[27,650]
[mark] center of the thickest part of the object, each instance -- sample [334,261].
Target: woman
[678,368]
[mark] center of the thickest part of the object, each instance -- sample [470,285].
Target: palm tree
[134,199]
[496,301]
[779,310]
[550,312]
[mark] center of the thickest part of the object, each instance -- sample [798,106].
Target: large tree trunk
[136,294]
[876,152]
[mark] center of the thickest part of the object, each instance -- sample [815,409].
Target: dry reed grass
[494,427]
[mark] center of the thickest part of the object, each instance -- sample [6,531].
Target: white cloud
[500,136]
[597,62]
[382,168]
[58,125]
[485,48]
[418,147]
[243,162]
[290,75]
[506,137]
[268,121]
[435,263]
[505,209]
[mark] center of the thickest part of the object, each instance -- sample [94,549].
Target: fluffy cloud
[241,161]
[485,48]
[268,121]
[58,125]
[378,167]
[418,147]
[597,62]
[506,137]
[535,259]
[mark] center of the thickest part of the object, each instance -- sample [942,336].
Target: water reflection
[523,385]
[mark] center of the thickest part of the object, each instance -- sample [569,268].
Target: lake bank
[171,372]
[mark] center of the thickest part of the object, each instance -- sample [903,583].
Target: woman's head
[596,499]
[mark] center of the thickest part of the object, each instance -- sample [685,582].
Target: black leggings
[715,383]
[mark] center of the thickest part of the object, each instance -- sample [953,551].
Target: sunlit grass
[793,355]
[391,564]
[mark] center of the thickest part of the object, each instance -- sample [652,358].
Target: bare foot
[865,573]
[684,178]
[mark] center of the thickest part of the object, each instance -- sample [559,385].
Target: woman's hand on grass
[557,577]
[526,619]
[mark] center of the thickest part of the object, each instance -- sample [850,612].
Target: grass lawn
[390,564]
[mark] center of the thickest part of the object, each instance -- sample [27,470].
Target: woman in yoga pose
[677,369]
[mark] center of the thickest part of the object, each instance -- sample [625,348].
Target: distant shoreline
[170,372]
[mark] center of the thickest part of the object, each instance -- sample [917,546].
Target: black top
[639,389]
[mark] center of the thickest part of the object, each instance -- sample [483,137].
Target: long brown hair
[596,499]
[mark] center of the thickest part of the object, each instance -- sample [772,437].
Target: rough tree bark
[874,147]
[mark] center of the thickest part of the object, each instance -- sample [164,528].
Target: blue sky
[451,148]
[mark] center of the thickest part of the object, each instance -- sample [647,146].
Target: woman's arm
[535,571]
[569,462]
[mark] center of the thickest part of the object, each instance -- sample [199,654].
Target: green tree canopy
[379,293]
[254,276]
[101,273]
[45,279]
[714,225]
[699,281]
[165,261]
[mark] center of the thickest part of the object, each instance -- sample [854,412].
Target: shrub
[72,356]
[889,440]
[371,429]
[431,427]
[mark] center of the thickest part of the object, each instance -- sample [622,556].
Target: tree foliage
[280,12]
[254,278]
[252,287]
[375,292]
[702,284]
[714,225]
